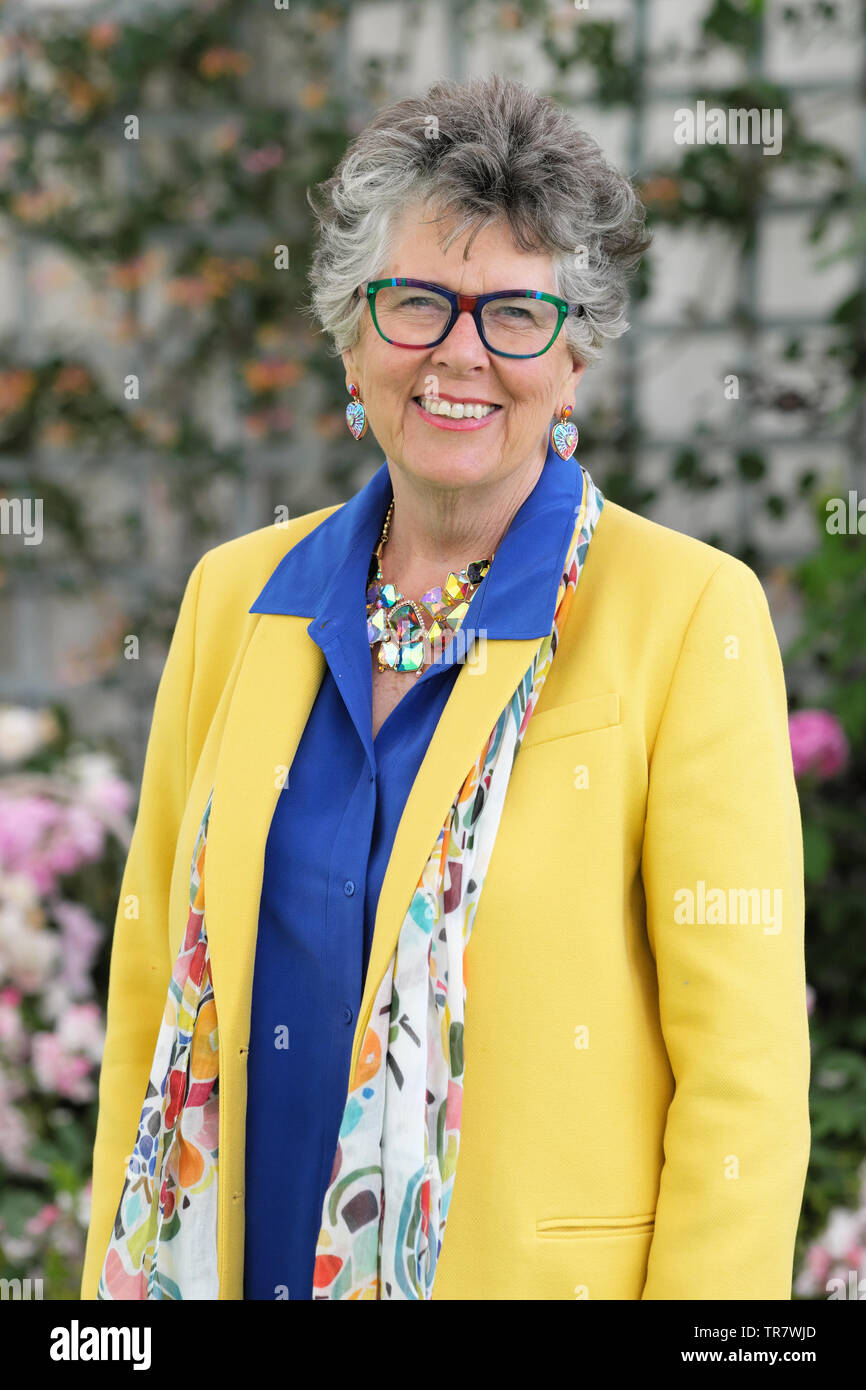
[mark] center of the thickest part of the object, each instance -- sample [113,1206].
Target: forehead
[494,261]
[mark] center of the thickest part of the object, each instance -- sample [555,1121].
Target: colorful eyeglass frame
[467,303]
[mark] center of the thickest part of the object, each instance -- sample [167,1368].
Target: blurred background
[162,390]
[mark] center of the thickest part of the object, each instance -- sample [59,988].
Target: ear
[351,366]
[577,370]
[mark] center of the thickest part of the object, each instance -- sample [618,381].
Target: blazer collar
[517,599]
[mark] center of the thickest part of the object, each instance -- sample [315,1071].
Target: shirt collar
[516,599]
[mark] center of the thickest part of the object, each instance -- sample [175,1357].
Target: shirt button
[348,888]
[348,1015]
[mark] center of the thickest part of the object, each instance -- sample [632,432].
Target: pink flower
[818,1261]
[43,1219]
[15,1141]
[113,795]
[84,833]
[81,1030]
[80,939]
[96,774]
[44,839]
[24,823]
[818,743]
[261,160]
[58,1071]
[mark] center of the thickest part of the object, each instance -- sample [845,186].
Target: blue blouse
[330,841]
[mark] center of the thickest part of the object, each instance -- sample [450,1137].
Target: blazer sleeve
[723,814]
[140,963]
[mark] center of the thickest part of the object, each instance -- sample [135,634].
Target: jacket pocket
[595,1225]
[577,717]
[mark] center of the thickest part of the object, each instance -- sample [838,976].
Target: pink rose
[80,937]
[818,743]
[24,823]
[818,1261]
[43,1219]
[113,795]
[56,1070]
[81,1030]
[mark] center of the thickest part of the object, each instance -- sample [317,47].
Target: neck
[436,530]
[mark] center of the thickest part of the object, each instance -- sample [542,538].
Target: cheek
[396,378]
[530,401]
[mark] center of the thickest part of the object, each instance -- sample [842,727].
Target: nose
[463,346]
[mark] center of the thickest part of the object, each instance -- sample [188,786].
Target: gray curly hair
[498,149]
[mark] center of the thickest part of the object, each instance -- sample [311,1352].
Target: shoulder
[215,617]
[233,573]
[656,564]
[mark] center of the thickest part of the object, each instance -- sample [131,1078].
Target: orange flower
[161,429]
[510,17]
[245,268]
[271,374]
[39,204]
[188,290]
[256,425]
[15,388]
[81,94]
[103,35]
[313,95]
[72,379]
[57,435]
[130,275]
[226,136]
[216,276]
[215,62]
[661,189]
[325,20]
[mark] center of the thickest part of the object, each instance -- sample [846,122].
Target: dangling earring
[563,436]
[356,415]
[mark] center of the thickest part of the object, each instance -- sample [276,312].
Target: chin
[462,463]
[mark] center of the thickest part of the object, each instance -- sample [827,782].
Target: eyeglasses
[510,323]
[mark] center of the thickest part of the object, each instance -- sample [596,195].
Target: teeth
[457,410]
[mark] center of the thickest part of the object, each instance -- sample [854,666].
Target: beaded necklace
[402,627]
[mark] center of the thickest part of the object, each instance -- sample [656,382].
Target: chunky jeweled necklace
[400,626]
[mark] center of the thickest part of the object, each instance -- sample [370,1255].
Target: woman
[474,675]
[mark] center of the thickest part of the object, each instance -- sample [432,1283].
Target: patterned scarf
[386,1205]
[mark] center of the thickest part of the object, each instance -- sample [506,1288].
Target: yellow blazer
[635,1113]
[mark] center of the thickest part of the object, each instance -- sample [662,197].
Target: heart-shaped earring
[356,415]
[563,436]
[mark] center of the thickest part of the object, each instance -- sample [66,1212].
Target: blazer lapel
[275,691]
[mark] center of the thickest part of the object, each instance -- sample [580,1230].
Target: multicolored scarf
[386,1205]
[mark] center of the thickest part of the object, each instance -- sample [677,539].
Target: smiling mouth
[456,410]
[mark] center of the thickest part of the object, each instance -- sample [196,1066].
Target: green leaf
[817,852]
